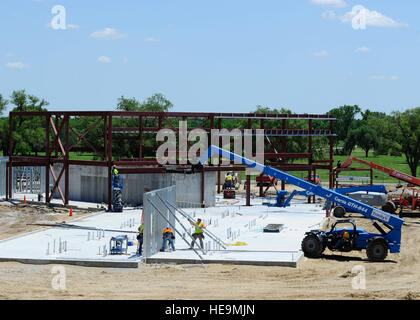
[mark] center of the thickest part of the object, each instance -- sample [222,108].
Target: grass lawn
[398,163]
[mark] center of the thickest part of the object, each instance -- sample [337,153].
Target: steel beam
[139,166]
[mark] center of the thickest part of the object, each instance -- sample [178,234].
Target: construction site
[240,228]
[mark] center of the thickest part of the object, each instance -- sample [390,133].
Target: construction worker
[344,241]
[140,239]
[228,180]
[168,235]
[346,235]
[198,232]
[338,164]
[114,170]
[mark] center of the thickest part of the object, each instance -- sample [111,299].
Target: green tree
[4,136]
[385,128]
[27,102]
[346,116]
[124,148]
[156,103]
[3,104]
[366,138]
[4,127]
[408,136]
[128,104]
[29,132]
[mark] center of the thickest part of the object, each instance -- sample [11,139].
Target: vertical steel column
[219,158]
[10,168]
[105,137]
[7,180]
[47,153]
[310,157]
[66,162]
[248,190]
[261,175]
[202,187]
[283,148]
[109,161]
[57,122]
[140,138]
[335,181]
[331,153]
[159,128]
[210,135]
[248,177]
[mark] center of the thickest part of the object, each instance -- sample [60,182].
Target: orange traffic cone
[71,212]
[24,199]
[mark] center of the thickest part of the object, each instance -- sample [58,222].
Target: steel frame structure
[57,144]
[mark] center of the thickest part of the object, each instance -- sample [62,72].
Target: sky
[213,56]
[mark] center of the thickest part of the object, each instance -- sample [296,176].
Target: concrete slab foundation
[240,228]
[74,246]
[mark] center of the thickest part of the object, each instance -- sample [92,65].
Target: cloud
[151,39]
[108,34]
[16,65]
[382,77]
[360,18]
[322,53]
[330,3]
[104,59]
[363,49]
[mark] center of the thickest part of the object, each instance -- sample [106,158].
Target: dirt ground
[328,278]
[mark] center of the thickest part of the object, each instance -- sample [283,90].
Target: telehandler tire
[312,246]
[377,250]
[389,207]
[339,212]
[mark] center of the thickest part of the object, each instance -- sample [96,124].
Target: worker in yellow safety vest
[198,232]
[228,180]
[140,239]
[168,235]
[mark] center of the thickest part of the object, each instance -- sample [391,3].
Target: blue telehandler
[283,201]
[343,239]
